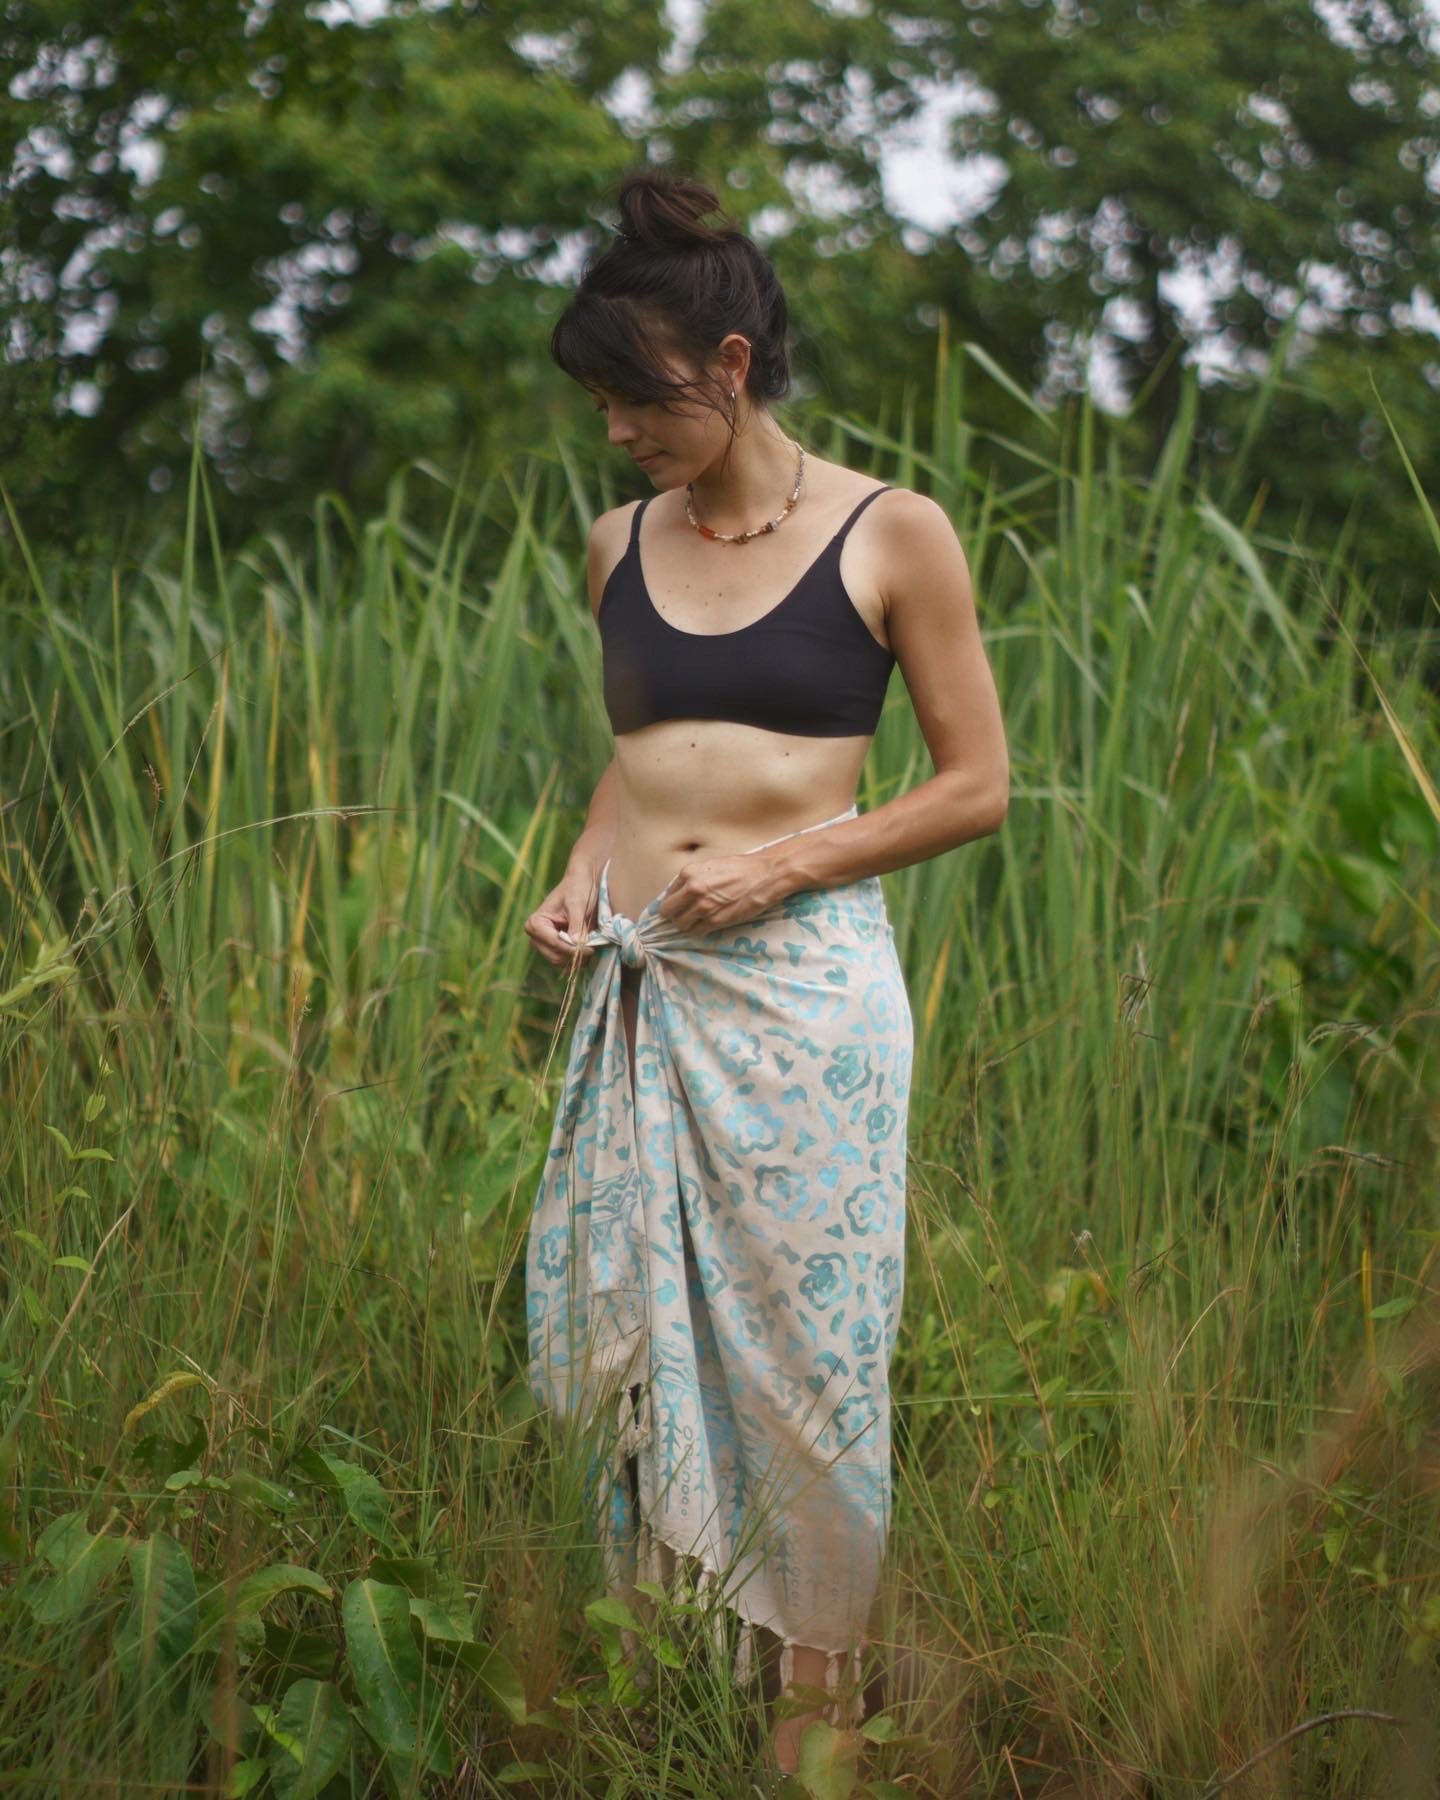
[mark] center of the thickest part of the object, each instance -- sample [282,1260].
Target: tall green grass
[278,1066]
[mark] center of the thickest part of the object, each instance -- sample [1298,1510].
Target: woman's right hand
[569,908]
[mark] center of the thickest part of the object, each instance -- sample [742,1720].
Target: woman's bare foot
[808,1670]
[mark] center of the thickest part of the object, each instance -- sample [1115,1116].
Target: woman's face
[671,447]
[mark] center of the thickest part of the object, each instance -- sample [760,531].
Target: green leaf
[160,1626]
[827,1763]
[609,1614]
[29,1237]
[80,1562]
[252,1595]
[416,1574]
[439,1623]
[62,1140]
[314,1731]
[424,1579]
[245,1777]
[389,1676]
[298,1652]
[1394,1309]
[181,1479]
[514,1773]
[499,1677]
[357,1489]
[71,1262]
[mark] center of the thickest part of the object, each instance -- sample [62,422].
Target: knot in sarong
[632,945]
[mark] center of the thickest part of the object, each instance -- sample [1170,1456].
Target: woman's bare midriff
[691,788]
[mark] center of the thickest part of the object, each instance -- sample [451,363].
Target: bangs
[604,341]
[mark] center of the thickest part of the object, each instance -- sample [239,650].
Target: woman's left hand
[722,890]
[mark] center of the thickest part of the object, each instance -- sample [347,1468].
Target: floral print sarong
[730,1241]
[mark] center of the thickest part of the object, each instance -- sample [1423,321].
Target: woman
[717,1246]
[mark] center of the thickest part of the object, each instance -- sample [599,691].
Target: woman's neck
[757,482]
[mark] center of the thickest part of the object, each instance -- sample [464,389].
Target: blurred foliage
[336,244]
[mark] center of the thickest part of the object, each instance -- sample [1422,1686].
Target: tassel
[832,1714]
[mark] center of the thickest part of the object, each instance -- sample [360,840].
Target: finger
[547,940]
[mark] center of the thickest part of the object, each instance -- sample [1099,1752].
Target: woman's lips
[654,456]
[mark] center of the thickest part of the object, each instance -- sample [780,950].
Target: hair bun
[664,210]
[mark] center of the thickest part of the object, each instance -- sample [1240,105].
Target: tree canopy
[365,228]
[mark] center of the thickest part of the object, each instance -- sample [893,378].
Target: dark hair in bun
[668,281]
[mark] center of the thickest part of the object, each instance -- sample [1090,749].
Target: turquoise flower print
[733,1246]
[657,1141]
[882,1006]
[753,953]
[581,1101]
[753,1325]
[887,1281]
[880,1122]
[712,1274]
[802,906]
[854,1419]
[849,1070]
[553,1255]
[752,1126]
[867,1208]
[607,1124]
[703,1088]
[828,1367]
[738,1050]
[827,1281]
[648,1076]
[782,1191]
[865,1335]
[901,1070]
[786,1394]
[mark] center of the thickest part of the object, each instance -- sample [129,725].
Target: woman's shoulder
[606,545]
[848,486]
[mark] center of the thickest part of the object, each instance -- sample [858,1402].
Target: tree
[1272,149]
[347,220]
[1284,151]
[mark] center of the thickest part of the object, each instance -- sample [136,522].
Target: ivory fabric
[730,1238]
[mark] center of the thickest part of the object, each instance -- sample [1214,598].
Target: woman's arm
[933,628]
[571,904]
